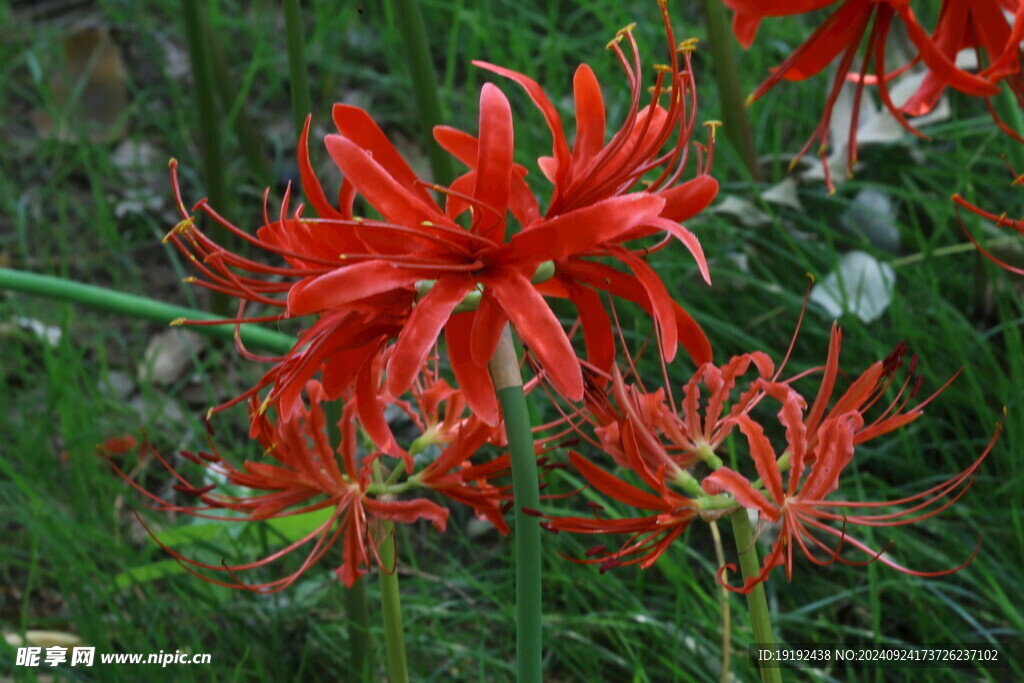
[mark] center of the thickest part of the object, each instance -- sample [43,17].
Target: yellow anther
[663,68]
[182,226]
[688,45]
[628,28]
[1018,180]
[357,219]
[172,162]
[209,414]
[749,101]
[270,449]
[712,127]
[178,321]
[189,280]
[810,276]
[264,406]
[427,224]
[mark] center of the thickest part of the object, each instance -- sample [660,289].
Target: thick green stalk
[138,307]
[209,130]
[250,137]
[424,83]
[508,382]
[391,604]
[391,599]
[296,64]
[357,612]
[735,120]
[756,602]
[1009,110]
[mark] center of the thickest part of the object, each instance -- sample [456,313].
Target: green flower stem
[756,603]
[424,83]
[508,382]
[391,599]
[209,130]
[952,249]
[735,120]
[296,65]
[138,307]
[357,612]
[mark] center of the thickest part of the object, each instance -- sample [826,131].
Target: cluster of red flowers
[379,294]
[660,442]
[992,29]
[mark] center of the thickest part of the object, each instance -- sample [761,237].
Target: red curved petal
[613,487]
[728,481]
[590,120]
[421,330]
[494,159]
[582,229]
[488,322]
[359,127]
[310,185]
[474,381]
[685,201]
[382,190]
[347,284]
[540,330]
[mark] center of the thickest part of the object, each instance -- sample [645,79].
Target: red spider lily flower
[306,474]
[408,276]
[652,147]
[841,34]
[820,444]
[440,414]
[454,476]
[1001,220]
[652,534]
[644,432]
[593,170]
[982,26]
[670,435]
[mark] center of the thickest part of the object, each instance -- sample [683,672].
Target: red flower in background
[1001,220]
[306,474]
[976,24]
[303,471]
[820,444]
[645,433]
[651,534]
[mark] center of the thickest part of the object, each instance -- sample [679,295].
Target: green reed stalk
[138,307]
[424,83]
[735,120]
[508,382]
[209,131]
[760,617]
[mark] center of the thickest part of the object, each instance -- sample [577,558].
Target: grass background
[74,559]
